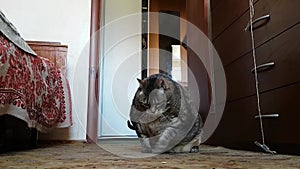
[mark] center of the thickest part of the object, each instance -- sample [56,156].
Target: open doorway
[141,63]
[166,51]
[127,55]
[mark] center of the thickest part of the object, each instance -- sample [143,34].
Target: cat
[146,113]
[164,118]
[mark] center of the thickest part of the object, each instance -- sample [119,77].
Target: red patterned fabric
[32,89]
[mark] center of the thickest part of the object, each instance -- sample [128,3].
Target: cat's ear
[141,82]
[162,83]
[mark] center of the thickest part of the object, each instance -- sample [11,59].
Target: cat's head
[149,84]
[141,98]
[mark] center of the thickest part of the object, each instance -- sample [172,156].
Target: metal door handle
[265,18]
[263,67]
[267,116]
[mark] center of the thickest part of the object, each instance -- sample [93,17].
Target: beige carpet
[125,154]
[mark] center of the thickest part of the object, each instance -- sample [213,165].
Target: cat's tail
[131,126]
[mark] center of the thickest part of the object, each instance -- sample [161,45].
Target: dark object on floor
[15,134]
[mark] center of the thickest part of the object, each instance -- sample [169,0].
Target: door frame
[193,7]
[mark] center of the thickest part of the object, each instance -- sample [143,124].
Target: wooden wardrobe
[277,43]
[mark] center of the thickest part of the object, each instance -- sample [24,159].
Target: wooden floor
[126,154]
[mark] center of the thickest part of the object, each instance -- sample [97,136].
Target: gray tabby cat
[164,118]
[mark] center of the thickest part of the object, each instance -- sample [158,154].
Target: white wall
[68,22]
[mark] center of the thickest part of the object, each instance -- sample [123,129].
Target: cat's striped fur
[164,117]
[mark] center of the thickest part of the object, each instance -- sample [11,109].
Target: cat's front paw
[194,149]
[145,144]
[161,111]
[146,150]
